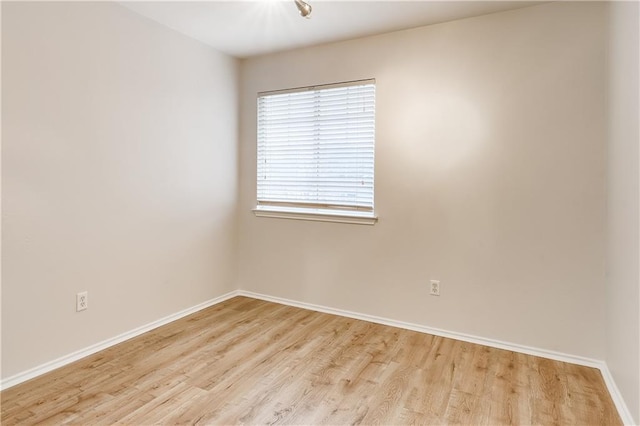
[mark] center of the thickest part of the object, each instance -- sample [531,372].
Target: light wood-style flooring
[246,361]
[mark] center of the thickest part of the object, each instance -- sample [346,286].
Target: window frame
[317,211]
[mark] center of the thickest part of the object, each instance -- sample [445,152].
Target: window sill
[318,215]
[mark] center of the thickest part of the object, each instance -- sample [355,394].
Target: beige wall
[623,214]
[119,142]
[490,176]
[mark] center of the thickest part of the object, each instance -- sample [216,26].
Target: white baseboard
[623,410]
[558,356]
[68,359]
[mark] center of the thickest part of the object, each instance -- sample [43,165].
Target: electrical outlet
[435,288]
[82,301]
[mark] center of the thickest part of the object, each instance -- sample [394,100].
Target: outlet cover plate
[434,287]
[82,301]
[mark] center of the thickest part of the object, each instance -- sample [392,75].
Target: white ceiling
[247,28]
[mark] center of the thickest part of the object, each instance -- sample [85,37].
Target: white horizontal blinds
[316,147]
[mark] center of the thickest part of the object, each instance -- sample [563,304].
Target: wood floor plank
[246,361]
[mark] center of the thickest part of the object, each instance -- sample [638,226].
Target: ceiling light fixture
[304,8]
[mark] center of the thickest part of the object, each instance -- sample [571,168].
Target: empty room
[320,212]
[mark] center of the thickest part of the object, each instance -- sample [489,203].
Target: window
[316,153]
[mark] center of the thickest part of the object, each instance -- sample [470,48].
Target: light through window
[316,150]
